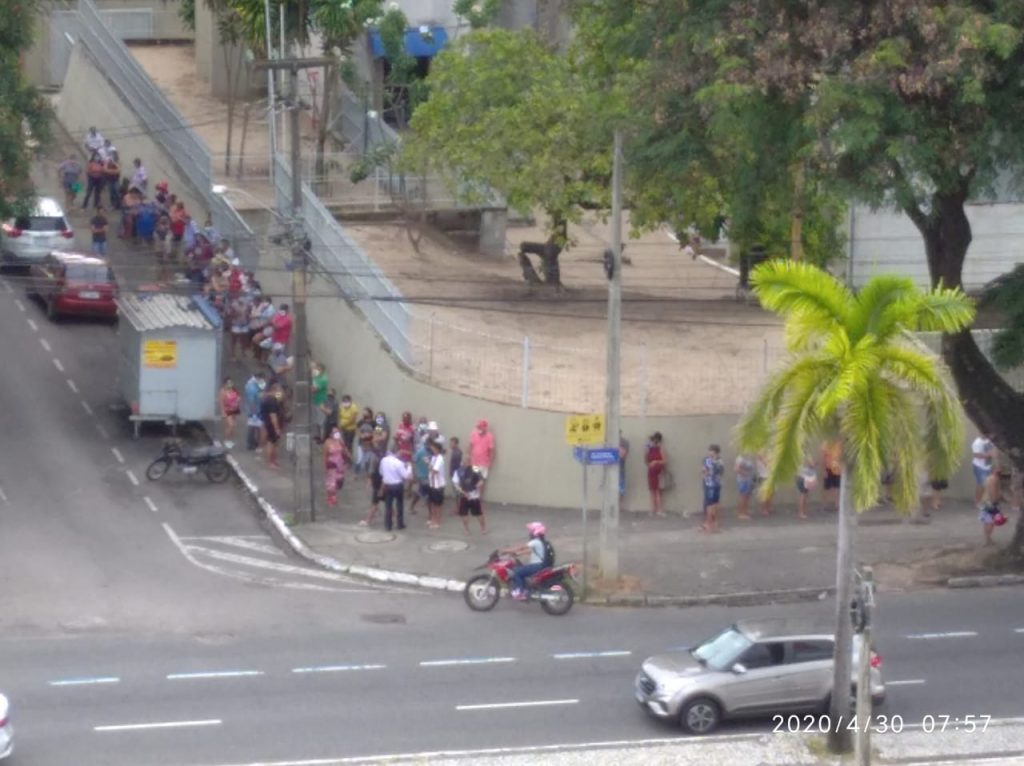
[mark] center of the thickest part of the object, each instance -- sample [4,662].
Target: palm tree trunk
[839,739]
[326,105]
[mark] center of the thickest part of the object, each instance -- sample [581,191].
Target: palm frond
[791,288]
[918,370]
[857,366]
[755,429]
[863,421]
[875,301]
[943,310]
[795,425]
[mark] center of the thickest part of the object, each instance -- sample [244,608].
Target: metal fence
[345,263]
[164,123]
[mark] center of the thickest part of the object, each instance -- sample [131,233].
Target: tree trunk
[330,83]
[240,166]
[994,406]
[796,224]
[839,739]
[229,69]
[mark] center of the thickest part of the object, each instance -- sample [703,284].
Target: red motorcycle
[548,586]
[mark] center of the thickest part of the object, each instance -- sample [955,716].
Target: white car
[29,239]
[6,730]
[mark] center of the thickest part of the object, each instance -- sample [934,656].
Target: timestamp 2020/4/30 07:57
[879,724]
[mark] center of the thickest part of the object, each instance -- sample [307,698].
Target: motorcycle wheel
[218,471]
[158,469]
[557,600]
[481,593]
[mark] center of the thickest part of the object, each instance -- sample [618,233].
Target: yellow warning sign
[160,353]
[584,430]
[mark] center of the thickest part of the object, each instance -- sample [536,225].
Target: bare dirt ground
[689,346]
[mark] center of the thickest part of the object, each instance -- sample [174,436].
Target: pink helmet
[536,529]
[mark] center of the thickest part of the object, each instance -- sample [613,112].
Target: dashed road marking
[149,503]
[86,681]
[906,682]
[949,634]
[160,725]
[589,655]
[33,325]
[87,408]
[58,365]
[72,386]
[3,496]
[117,454]
[19,304]
[337,668]
[1018,630]
[467,661]
[8,287]
[102,431]
[214,674]
[507,705]
[45,344]
[132,477]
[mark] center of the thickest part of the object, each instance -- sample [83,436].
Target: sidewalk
[662,561]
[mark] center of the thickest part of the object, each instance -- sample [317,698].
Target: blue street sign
[596,455]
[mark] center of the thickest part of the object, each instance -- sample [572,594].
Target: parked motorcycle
[212,461]
[548,586]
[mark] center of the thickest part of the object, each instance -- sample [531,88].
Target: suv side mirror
[739,668]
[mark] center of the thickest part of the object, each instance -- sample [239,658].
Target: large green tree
[24,114]
[508,113]
[913,104]
[854,375]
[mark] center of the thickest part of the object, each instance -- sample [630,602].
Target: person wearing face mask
[405,438]
[335,455]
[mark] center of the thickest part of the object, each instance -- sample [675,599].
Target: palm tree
[856,374]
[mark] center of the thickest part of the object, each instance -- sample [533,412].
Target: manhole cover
[384,619]
[375,537]
[447,546]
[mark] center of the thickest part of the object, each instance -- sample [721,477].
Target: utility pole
[302,413]
[609,537]
[866,608]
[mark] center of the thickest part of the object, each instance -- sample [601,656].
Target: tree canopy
[24,114]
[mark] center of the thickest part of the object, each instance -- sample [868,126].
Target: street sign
[596,456]
[584,430]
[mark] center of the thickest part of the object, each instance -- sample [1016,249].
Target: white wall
[888,242]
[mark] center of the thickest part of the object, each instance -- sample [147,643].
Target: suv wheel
[700,715]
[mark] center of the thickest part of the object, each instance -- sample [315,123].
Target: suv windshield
[88,272]
[720,652]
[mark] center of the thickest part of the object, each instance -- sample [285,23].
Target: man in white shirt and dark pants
[394,473]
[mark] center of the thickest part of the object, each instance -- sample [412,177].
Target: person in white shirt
[437,480]
[394,473]
[107,151]
[140,179]
[983,458]
[93,142]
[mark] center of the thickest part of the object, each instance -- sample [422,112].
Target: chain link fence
[165,124]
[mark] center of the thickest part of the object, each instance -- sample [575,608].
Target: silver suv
[753,668]
[29,239]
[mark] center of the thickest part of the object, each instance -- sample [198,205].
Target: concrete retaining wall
[88,99]
[533,466]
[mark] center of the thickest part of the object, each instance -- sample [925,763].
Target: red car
[71,283]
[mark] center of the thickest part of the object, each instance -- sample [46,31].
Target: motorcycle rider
[541,555]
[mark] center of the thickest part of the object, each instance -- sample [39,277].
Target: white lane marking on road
[45,344]
[160,725]
[72,386]
[3,496]
[337,668]
[87,408]
[906,682]
[244,541]
[585,655]
[58,365]
[949,634]
[117,454]
[149,503]
[1018,630]
[19,304]
[273,566]
[214,674]
[86,681]
[132,477]
[270,582]
[7,287]
[102,431]
[505,705]
[33,325]
[467,661]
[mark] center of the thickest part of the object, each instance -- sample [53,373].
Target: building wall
[888,242]
[534,465]
[89,99]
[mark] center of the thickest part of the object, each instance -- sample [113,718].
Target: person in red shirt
[481,451]
[405,437]
[281,326]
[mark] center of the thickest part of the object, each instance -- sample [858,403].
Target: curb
[751,598]
[985,581]
[329,562]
